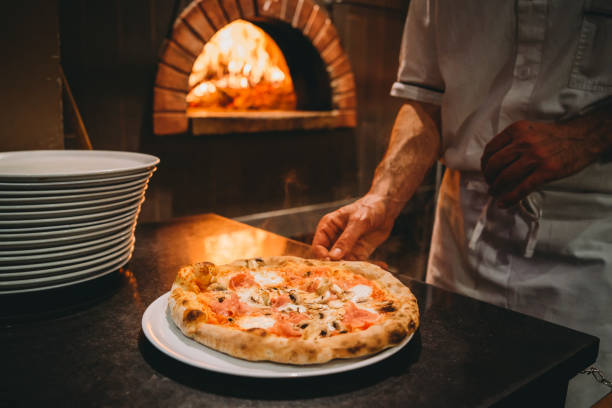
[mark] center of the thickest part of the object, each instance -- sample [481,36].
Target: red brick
[288,10]
[269,8]
[177,57]
[345,83]
[325,36]
[339,67]
[347,118]
[344,101]
[170,123]
[302,14]
[315,22]
[231,9]
[183,36]
[195,18]
[214,12]
[248,9]
[168,77]
[166,100]
[332,52]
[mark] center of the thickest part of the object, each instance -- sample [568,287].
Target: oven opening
[241,69]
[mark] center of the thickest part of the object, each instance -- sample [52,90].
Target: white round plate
[75,203]
[59,272]
[68,239]
[68,230]
[43,194]
[44,268]
[64,165]
[93,273]
[48,254]
[18,231]
[70,198]
[69,212]
[161,331]
[76,184]
[66,221]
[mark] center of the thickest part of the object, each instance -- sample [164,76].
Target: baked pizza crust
[258,344]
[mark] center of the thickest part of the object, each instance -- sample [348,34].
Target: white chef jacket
[489,64]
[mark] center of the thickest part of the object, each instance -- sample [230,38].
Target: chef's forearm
[413,148]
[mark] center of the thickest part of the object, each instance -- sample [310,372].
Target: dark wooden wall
[109,52]
[30,87]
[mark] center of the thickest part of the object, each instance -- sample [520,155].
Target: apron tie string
[480,224]
[533,212]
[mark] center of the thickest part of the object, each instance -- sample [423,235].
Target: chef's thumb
[345,243]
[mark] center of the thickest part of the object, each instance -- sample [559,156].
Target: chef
[514,98]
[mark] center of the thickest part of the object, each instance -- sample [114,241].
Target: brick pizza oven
[321,72]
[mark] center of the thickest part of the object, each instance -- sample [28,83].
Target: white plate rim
[67,239]
[64,250]
[69,219]
[74,203]
[76,183]
[58,233]
[110,269]
[156,323]
[91,265]
[70,191]
[8,271]
[135,162]
[68,212]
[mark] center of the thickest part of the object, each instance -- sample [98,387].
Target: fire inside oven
[241,69]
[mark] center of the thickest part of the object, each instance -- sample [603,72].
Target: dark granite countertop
[84,346]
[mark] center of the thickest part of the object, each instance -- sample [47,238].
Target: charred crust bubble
[323,333]
[221,300]
[321,315]
[307,274]
[229,319]
[396,336]
[192,315]
[292,297]
[258,331]
[343,331]
[303,326]
[388,308]
[355,349]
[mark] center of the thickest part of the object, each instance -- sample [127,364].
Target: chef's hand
[528,154]
[354,231]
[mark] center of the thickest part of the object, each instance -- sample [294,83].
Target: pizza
[292,310]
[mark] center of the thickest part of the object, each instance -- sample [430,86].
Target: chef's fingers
[355,228]
[497,143]
[528,185]
[499,161]
[511,176]
[329,229]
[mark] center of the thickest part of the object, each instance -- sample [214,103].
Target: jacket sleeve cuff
[417,93]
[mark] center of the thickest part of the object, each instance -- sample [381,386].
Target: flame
[241,68]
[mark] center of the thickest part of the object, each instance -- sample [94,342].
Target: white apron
[567,280]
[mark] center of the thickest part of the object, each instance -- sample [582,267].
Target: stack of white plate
[67,216]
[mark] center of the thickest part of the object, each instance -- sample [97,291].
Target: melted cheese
[266,278]
[250,322]
[292,308]
[360,293]
[245,294]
